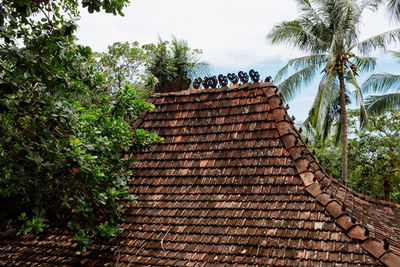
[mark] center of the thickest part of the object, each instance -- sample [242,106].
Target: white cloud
[230,33]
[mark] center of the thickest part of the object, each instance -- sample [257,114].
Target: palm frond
[298,63]
[308,11]
[380,41]
[337,132]
[331,124]
[199,69]
[325,96]
[335,46]
[393,6]
[359,97]
[307,125]
[293,32]
[365,64]
[346,20]
[370,4]
[395,54]
[381,82]
[289,87]
[378,104]
[329,119]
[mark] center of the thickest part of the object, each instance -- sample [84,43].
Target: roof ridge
[193,91]
[316,181]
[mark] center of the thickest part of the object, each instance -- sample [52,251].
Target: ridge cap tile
[324,198]
[334,208]
[345,222]
[314,189]
[390,259]
[374,247]
[357,232]
[307,177]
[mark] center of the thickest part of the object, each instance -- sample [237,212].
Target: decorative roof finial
[243,76]
[212,82]
[197,83]
[223,80]
[254,75]
[233,78]
[205,82]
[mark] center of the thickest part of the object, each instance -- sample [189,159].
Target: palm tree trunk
[343,119]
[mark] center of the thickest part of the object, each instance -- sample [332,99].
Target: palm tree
[383,83]
[187,61]
[328,31]
[174,64]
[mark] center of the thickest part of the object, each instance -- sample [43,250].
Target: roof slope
[233,183]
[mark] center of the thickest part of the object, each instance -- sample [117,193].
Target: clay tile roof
[233,184]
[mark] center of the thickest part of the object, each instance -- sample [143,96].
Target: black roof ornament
[233,78]
[205,82]
[243,76]
[254,75]
[197,83]
[212,82]
[223,80]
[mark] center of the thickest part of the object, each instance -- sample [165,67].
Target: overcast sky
[231,33]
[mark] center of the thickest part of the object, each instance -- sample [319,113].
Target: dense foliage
[165,66]
[124,62]
[173,63]
[374,156]
[65,142]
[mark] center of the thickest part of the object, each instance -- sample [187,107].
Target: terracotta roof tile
[233,184]
[390,259]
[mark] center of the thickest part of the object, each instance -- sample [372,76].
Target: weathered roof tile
[391,259]
[374,247]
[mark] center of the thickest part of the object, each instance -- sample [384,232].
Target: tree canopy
[65,143]
[162,67]
[123,62]
[374,166]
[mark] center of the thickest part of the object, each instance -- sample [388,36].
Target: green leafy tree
[375,157]
[388,85]
[374,160]
[65,144]
[173,63]
[328,31]
[123,62]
